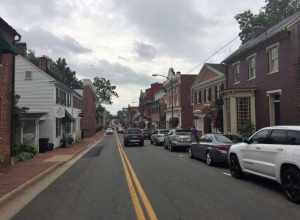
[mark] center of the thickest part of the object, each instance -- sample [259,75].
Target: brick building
[88,121]
[263,79]
[178,87]
[8,37]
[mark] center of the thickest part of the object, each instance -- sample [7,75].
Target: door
[251,153]
[204,145]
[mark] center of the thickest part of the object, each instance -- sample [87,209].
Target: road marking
[144,199]
[227,174]
[133,194]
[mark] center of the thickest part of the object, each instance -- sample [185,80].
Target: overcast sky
[127,41]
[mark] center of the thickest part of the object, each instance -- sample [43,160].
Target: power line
[213,54]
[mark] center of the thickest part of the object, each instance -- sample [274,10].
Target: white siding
[36,94]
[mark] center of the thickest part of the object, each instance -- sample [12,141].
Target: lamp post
[172,94]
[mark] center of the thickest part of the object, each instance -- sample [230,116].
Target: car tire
[290,180]
[209,159]
[142,144]
[151,142]
[234,166]
[191,153]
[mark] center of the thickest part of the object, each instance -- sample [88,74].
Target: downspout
[12,133]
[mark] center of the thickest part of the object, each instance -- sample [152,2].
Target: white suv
[273,153]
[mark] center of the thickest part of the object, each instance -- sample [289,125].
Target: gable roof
[274,30]
[4,25]
[217,69]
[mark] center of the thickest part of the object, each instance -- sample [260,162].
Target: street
[176,186]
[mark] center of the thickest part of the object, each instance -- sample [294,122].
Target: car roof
[284,127]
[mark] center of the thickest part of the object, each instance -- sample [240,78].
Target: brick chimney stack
[22,48]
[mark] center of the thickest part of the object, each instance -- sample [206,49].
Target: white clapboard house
[53,109]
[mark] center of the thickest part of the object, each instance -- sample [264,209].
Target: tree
[105,91]
[251,25]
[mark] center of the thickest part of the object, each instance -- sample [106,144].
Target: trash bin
[43,145]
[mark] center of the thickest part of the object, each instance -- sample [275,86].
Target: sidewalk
[22,172]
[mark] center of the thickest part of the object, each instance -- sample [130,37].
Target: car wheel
[290,180]
[142,144]
[234,166]
[191,153]
[209,159]
[151,142]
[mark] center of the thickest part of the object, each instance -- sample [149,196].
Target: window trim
[249,58]
[275,45]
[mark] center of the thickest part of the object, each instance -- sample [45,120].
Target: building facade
[178,100]
[8,37]
[53,109]
[206,98]
[160,108]
[263,80]
[88,121]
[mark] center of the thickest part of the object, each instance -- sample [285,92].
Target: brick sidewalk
[14,176]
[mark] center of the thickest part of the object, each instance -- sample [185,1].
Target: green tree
[251,25]
[105,91]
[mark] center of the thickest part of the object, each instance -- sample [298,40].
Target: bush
[23,152]
[24,156]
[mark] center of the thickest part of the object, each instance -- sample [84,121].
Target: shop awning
[5,47]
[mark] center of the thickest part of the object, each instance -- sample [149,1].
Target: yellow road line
[133,194]
[148,207]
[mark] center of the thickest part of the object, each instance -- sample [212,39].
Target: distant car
[120,130]
[133,136]
[211,148]
[147,134]
[178,139]
[109,131]
[158,137]
[273,153]
[235,138]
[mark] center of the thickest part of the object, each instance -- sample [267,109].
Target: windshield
[183,132]
[222,139]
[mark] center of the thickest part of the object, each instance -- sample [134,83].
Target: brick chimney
[22,48]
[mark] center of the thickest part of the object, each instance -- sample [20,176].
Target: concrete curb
[5,198]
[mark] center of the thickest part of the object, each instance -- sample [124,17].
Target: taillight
[223,147]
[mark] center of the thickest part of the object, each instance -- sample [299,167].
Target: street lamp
[172,94]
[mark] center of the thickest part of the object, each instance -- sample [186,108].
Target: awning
[5,47]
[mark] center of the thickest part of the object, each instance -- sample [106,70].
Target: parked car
[158,137]
[120,130]
[109,131]
[133,136]
[235,138]
[273,153]
[147,134]
[178,139]
[211,148]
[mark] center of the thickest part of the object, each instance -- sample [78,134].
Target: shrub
[23,152]
[24,156]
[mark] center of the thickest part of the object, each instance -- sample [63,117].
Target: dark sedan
[211,148]
[133,136]
[147,134]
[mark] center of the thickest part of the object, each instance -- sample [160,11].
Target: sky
[127,41]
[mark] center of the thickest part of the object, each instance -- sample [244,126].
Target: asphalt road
[177,187]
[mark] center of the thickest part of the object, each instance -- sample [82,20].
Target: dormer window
[28,75]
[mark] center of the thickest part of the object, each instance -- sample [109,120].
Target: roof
[220,67]
[4,25]
[274,30]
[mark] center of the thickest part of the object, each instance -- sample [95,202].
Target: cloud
[46,42]
[145,51]
[119,74]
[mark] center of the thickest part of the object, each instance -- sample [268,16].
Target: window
[28,75]
[261,137]
[200,97]
[243,112]
[273,59]
[294,137]
[205,97]
[216,93]
[58,127]
[236,72]
[252,67]
[209,94]
[278,137]
[57,96]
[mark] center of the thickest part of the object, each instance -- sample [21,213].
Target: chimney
[21,48]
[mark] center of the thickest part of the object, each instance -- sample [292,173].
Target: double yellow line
[138,196]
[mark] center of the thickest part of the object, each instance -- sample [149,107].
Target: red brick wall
[88,122]
[5,105]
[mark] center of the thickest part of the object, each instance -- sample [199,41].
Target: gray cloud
[44,41]
[145,51]
[116,72]
[176,26]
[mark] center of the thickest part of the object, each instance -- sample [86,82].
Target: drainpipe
[12,133]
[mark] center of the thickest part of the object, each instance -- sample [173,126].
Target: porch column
[233,115]
[225,119]
[37,134]
[253,112]
[22,133]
